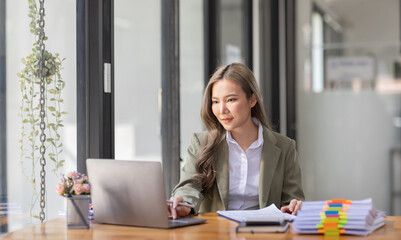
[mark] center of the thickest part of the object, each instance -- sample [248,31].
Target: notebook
[131,193]
[256,226]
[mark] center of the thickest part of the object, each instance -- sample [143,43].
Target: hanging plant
[30,110]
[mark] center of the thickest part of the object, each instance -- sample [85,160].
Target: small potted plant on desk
[76,188]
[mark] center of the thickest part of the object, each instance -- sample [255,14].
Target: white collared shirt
[244,172]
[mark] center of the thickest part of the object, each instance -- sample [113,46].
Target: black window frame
[212,35]
[3,108]
[95,108]
[170,126]
[278,42]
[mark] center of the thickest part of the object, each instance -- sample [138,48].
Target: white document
[270,211]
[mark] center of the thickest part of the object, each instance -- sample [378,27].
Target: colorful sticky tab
[328,212]
[334,217]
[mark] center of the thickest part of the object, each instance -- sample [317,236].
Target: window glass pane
[348,129]
[60,28]
[137,74]
[232,31]
[191,70]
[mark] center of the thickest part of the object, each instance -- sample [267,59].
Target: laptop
[131,193]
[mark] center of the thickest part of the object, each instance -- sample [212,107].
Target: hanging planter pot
[41,112]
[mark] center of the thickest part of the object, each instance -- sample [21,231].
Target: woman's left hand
[293,207]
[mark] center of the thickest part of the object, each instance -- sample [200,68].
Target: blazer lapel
[222,171]
[268,164]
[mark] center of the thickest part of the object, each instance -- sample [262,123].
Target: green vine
[30,106]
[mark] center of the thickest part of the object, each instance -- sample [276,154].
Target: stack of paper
[338,216]
[242,215]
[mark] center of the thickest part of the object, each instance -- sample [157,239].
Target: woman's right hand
[175,210]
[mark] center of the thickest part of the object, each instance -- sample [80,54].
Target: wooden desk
[215,228]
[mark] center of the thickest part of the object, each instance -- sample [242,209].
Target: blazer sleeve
[292,184]
[190,190]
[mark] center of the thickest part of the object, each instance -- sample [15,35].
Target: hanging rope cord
[42,102]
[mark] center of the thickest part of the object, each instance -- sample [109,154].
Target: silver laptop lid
[128,192]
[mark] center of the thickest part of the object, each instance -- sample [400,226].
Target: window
[137,79]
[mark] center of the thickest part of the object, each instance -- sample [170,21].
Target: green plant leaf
[60,164]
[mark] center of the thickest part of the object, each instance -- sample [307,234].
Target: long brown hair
[242,76]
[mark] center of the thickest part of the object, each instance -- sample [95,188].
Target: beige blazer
[279,180]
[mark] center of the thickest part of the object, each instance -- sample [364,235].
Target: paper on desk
[240,215]
[362,218]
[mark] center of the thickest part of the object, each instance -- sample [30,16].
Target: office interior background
[329,72]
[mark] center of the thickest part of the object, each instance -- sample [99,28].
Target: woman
[239,162]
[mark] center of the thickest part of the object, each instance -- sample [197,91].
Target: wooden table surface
[216,227]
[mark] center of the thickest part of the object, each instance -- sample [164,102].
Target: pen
[182,204]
